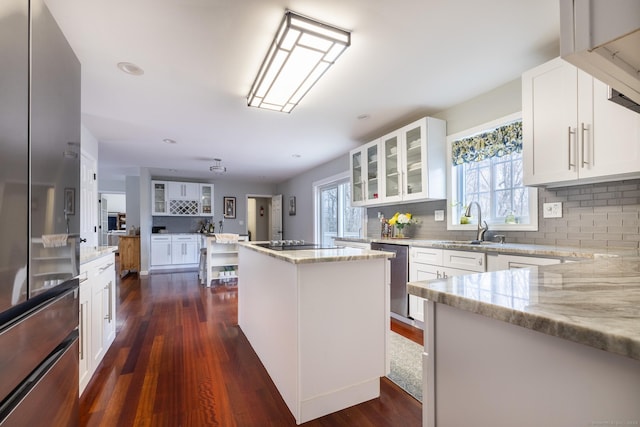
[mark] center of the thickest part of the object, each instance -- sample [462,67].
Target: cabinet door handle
[81,327]
[109,315]
[569,147]
[480,261]
[438,274]
[582,131]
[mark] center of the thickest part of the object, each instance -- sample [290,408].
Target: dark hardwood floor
[180,359]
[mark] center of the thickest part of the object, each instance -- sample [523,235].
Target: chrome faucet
[481,229]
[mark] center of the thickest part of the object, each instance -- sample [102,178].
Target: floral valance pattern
[498,142]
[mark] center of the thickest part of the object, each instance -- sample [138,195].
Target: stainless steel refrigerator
[39,221]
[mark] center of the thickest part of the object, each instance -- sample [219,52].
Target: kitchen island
[553,346]
[318,320]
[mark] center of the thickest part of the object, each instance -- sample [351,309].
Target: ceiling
[408,58]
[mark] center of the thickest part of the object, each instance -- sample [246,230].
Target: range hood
[602,37]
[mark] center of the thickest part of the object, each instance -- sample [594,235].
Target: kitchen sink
[466,242]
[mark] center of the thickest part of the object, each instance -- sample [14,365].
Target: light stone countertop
[565,252]
[593,302]
[307,256]
[88,254]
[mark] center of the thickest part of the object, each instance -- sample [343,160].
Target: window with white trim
[487,168]
[335,217]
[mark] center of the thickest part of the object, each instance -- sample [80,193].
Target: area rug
[406,364]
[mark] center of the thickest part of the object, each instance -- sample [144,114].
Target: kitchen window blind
[501,141]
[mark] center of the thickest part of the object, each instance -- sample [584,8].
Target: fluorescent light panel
[301,52]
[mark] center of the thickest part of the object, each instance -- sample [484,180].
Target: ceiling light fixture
[169,141]
[217,167]
[301,52]
[130,68]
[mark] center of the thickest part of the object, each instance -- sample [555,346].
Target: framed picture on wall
[229,207]
[292,205]
[70,201]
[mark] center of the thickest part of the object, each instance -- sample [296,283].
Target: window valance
[498,142]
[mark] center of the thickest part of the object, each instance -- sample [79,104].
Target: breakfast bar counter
[555,346]
[318,321]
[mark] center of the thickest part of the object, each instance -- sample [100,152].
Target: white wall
[499,102]
[300,226]
[116,202]
[88,143]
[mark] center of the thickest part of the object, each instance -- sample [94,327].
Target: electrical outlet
[438,215]
[552,210]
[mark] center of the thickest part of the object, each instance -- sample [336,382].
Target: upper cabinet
[365,174]
[171,198]
[405,165]
[183,190]
[572,133]
[159,204]
[206,199]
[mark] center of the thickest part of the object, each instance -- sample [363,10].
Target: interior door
[276,218]
[104,222]
[88,201]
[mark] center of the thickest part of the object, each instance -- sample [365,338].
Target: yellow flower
[393,219]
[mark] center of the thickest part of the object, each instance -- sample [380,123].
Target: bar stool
[202,268]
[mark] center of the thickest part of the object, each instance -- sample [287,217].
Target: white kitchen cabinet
[97,321]
[423,160]
[159,201]
[498,262]
[183,190]
[414,162]
[392,167]
[409,165]
[365,174]
[160,250]
[431,263]
[175,250]
[84,304]
[169,198]
[184,249]
[572,133]
[206,199]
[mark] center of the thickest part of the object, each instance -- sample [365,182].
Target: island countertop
[593,302]
[88,254]
[306,256]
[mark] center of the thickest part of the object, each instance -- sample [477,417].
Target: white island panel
[319,328]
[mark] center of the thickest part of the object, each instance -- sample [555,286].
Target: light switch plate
[438,215]
[552,210]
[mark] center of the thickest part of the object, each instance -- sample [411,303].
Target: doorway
[259,217]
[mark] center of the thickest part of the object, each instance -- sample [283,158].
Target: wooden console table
[129,248]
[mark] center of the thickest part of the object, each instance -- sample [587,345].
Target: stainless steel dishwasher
[399,276]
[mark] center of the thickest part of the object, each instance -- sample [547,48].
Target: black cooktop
[293,246]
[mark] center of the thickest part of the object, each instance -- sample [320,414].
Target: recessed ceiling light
[296,156]
[130,68]
[169,141]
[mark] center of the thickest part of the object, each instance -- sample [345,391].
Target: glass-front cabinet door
[392,167]
[357,178]
[206,199]
[159,195]
[373,172]
[414,150]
